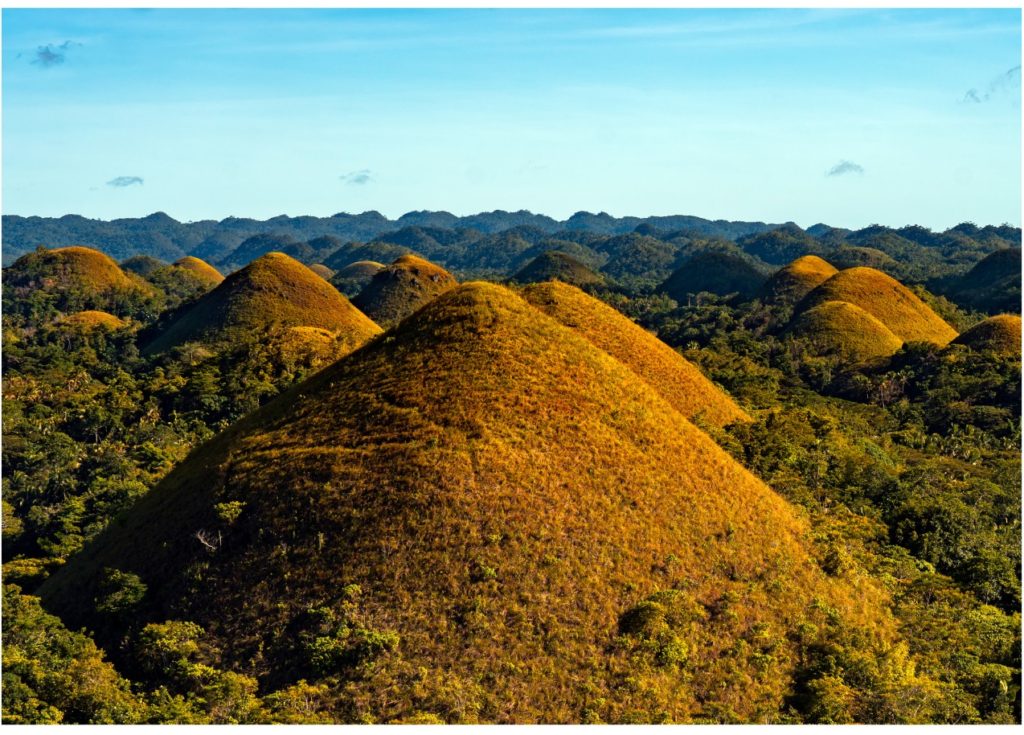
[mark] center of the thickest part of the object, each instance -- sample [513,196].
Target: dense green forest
[904,463]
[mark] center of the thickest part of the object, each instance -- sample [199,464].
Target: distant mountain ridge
[164,237]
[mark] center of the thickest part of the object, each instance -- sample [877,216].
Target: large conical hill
[669,373]
[89,320]
[886,299]
[273,291]
[465,519]
[846,329]
[792,282]
[999,334]
[401,288]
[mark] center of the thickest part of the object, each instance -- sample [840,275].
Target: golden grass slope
[792,282]
[322,270]
[201,270]
[273,291]
[669,373]
[91,319]
[79,268]
[846,329]
[401,288]
[486,492]
[886,299]
[1000,334]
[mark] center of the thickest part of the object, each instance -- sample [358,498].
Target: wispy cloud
[1006,82]
[845,167]
[123,181]
[357,178]
[52,54]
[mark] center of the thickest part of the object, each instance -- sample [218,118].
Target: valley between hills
[506,469]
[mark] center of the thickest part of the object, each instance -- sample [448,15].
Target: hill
[322,270]
[714,272]
[846,329]
[201,270]
[142,265]
[676,379]
[273,290]
[401,288]
[72,268]
[480,517]
[792,282]
[886,299]
[554,265]
[993,285]
[999,334]
[73,279]
[353,278]
[88,320]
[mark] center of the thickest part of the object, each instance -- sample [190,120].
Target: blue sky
[846,117]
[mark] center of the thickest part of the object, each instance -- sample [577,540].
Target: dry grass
[91,319]
[201,270]
[501,491]
[846,329]
[322,270]
[1000,334]
[886,299]
[792,282]
[669,373]
[77,268]
[274,290]
[401,288]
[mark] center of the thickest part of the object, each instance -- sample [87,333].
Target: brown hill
[846,329]
[401,288]
[90,319]
[1000,334]
[354,277]
[481,517]
[669,373]
[886,299]
[274,290]
[791,283]
[201,270]
[74,268]
[322,270]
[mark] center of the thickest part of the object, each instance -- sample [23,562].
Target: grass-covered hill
[274,290]
[143,265]
[792,282]
[322,270]
[993,285]
[201,270]
[720,273]
[482,517]
[887,300]
[554,265]
[352,278]
[677,380]
[72,279]
[401,288]
[844,329]
[1000,334]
